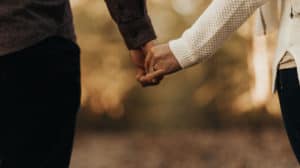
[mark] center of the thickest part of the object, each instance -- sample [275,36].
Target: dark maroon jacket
[24,23]
[133,21]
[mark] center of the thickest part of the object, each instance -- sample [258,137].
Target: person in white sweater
[220,20]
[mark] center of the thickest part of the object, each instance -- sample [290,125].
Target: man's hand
[138,58]
[159,62]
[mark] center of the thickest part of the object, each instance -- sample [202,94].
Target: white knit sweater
[206,36]
[223,17]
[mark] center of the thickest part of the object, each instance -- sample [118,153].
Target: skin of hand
[160,61]
[138,59]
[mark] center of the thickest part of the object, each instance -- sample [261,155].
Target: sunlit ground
[190,149]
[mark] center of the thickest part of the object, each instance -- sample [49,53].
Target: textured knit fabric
[209,32]
[222,18]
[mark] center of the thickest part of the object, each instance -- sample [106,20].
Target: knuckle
[152,51]
[156,55]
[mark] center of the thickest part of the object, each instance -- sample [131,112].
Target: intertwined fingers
[153,75]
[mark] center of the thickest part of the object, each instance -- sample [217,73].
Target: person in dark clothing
[40,76]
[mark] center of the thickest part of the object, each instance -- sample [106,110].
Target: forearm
[209,32]
[133,21]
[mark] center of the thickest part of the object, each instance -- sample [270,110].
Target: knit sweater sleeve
[209,32]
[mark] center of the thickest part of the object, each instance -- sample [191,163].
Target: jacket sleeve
[133,21]
[212,29]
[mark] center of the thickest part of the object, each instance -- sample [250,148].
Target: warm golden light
[260,63]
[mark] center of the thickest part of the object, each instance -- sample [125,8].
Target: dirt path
[229,149]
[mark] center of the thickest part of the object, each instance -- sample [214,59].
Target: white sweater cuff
[182,53]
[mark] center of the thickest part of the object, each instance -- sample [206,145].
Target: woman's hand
[159,62]
[138,59]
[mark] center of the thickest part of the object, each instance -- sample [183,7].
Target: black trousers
[289,96]
[39,99]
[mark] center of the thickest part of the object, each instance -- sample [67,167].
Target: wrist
[183,53]
[148,46]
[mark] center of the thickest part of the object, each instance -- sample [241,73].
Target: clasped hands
[153,62]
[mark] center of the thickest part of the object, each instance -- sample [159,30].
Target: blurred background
[220,113]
